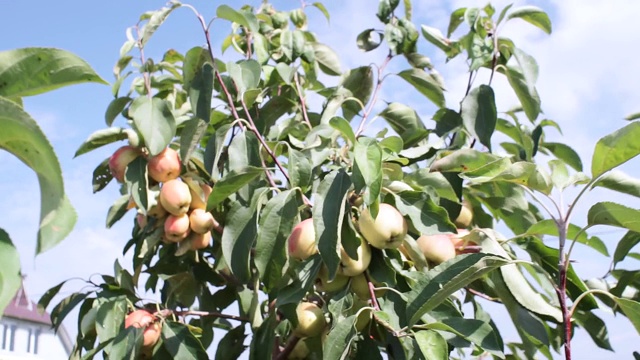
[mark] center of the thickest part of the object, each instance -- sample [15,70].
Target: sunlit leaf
[609,213]
[533,15]
[154,120]
[615,149]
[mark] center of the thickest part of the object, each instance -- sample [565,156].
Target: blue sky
[588,83]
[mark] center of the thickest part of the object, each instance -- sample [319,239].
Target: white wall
[25,336]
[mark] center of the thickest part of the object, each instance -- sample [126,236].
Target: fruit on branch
[201,221]
[465,217]
[436,248]
[165,166]
[199,200]
[458,243]
[360,287]
[311,320]
[120,159]
[175,197]
[176,228]
[302,241]
[388,229]
[363,319]
[353,267]
[300,351]
[142,319]
[323,284]
[200,241]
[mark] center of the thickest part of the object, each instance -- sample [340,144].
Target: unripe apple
[142,319]
[363,319]
[176,228]
[323,284]
[465,217]
[300,351]
[360,287]
[352,267]
[201,221]
[302,241]
[311,320]
[120,159]
[388,229]
[200,241]
[199,200]
[436,248]
[165,166]
[175,197]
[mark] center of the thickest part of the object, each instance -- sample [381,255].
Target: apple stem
[372,292]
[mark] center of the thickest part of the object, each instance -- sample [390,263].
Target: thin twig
[168,312]
[483,295]
[145,74]
[376,92]
[303,103]
[372,292]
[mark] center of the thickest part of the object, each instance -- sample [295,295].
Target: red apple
[175,197]
[165,166]
[142,319]
[176,228]
[302,241]
[120,159]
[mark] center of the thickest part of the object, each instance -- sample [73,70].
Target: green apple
[324,285]
[352,267]
[360,287]
[311,320]
[388,229]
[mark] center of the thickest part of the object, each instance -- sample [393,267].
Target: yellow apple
[360,287]
[201,221]
[352,267]
[302,241]
[300,351]
[436,248]
[311,320]
[200,241]
[465,217]
[388,229]
[323,284]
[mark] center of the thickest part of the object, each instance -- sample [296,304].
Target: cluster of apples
[181,202]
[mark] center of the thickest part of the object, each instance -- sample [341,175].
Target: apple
[200,241]
[175,197]
[165,166]
[302,241]
[360,287]
[458,243]
[436,248]
[143,319]
[176,228]
[201,221]
[323,284]
[311,320]
[351,267]
[363,319]
[199,199]
[120,159]
[465,217]
[388,229]
[300,351]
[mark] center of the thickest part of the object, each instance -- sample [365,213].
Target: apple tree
[272,209]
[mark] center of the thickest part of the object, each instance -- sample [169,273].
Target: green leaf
[262,342]
[190,137]
[432,345]
[342,125]
[154,120]
[244,18]
[527,174]
[33,71]
[180,343]
[339,340]
[528,67]
[328,214]
[631,310]
[232,344]
[609,213]
[22,137]
[595,327]
[616,149]
[456,18]
[564,153]
[479,114]
[110,316]
[101,138]
[327,59]
[619,181]
[305,276]
[426,84]
[369,40]
[463,160]
[300,171]
[323,9]
[276,222]
[533,15]
[367,170]
[406,122]
[138,183]
[426,216]
[549,227]
[115,108]
[513,278]
[230,183]
[245,73]
[64,307]
[633,116]
[528,96]
[478,332]
[127,344]
[435,37]
[155,20]
[628,241]
[359,82]
[117,210]
[46,298]
[446,120]
[433,287]
[10,279]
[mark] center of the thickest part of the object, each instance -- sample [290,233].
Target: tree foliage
[261,153]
